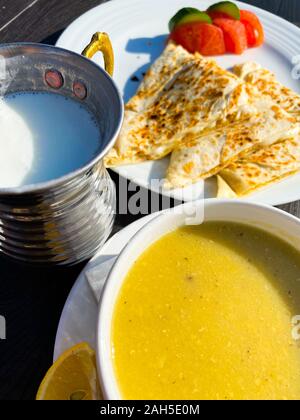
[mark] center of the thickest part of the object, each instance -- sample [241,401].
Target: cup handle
[100,42]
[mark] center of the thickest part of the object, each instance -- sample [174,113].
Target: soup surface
[206,313]
[44,136]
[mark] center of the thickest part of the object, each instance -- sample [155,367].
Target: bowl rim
[57,182]
[106,372]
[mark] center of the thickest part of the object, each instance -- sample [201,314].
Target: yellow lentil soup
[206,313]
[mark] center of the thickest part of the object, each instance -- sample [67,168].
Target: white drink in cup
[43,137]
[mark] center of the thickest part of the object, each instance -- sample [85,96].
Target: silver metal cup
[66,220]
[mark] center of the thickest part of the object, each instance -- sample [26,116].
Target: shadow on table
[31,301]
[151,46]
[53,38]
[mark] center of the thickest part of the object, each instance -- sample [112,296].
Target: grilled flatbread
[168,111]
[277,161]
[165,68]
[127,149]
[265,81]
[208,155]
[264,167]
[224,190]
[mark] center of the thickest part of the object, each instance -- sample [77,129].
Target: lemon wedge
[72,377]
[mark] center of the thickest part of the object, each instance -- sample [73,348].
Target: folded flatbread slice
[198,96]
[162,72]
[208,155]
[164,69]
[224,190]
[265,81]
[277,161]
[264,167]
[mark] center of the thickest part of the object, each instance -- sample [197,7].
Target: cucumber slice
[187,15]
[226,7]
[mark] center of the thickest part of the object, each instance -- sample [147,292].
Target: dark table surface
[31,300]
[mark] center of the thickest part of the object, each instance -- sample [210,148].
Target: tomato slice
[213,42]
[251,37]
[184,35]
[254,28]
[234,34]
[200,37]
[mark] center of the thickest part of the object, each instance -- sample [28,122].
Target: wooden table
[32,299]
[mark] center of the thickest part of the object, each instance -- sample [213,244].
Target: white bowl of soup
[200,311]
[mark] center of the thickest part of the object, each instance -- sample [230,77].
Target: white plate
[138,31]
[78,321]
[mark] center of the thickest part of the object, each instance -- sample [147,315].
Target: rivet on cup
[80,90]
[54,79]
